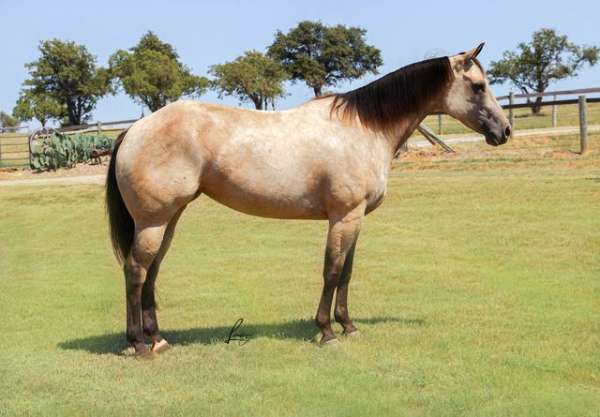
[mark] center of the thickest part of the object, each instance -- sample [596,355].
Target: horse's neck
[402,131]
[395,138]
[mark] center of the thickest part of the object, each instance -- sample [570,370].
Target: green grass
[476,291]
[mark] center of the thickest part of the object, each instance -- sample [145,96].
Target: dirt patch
[518,153]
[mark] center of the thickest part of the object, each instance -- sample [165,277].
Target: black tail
[120,221]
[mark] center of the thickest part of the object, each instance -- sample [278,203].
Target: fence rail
[551,103]
[580,91]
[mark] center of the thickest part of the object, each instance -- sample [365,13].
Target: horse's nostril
[507,132]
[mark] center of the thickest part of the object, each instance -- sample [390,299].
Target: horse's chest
[376,196]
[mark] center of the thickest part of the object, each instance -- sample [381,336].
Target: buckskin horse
[328,159]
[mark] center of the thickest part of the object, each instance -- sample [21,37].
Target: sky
[212,32]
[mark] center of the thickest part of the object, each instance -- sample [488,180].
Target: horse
[327,159]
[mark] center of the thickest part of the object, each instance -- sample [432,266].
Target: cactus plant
[64,151]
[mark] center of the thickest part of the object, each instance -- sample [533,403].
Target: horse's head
[470,99]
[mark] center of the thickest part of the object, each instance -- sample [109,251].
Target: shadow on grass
[298,329]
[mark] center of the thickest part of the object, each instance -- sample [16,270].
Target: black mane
[381,103]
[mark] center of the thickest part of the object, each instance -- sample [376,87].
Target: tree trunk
[536,106]
[318,91]
[73,119]
[258,105]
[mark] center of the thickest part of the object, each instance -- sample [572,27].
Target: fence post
[583,123]
[99,127]
[440,124]
[511,116]
[554,113]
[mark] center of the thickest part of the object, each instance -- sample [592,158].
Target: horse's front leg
[341,296]
[343,231]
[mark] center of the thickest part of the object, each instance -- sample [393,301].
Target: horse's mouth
[494,139]
[491,139]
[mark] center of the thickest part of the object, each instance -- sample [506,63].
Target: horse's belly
[266,199]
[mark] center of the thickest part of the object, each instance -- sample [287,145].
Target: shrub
[64,151]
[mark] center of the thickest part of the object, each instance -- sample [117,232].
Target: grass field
[476,289]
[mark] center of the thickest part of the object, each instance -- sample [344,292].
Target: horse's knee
[331,279]
[135,276]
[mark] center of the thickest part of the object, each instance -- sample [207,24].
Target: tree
[66,72]
[251,77]
[6,120]
[152,75]
[323,56]
[38,106]
[547,58]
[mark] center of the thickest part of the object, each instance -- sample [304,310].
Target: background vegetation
[548,57]
[65,83]
[65,151]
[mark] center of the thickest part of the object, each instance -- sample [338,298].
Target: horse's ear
[474,52]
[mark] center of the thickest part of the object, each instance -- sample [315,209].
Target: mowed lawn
[476,287]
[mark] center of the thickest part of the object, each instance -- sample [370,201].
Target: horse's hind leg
[147,241]
[149,319]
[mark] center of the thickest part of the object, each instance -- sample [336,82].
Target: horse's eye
[478,87]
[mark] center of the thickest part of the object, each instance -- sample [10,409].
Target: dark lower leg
[330,277]
[323,318]
[341,301]
[135,336]
[150,322]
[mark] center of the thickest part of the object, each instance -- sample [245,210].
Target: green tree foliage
[38,106]
[6,120]
[66,73]
[547,58]
[251,77]
[152,75]
[323,56]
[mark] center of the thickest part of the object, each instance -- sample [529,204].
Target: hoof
[160,347]
[354,333]
[128,351]
[331,343]
[146,355]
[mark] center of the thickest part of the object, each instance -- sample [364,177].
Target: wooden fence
[582,101]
